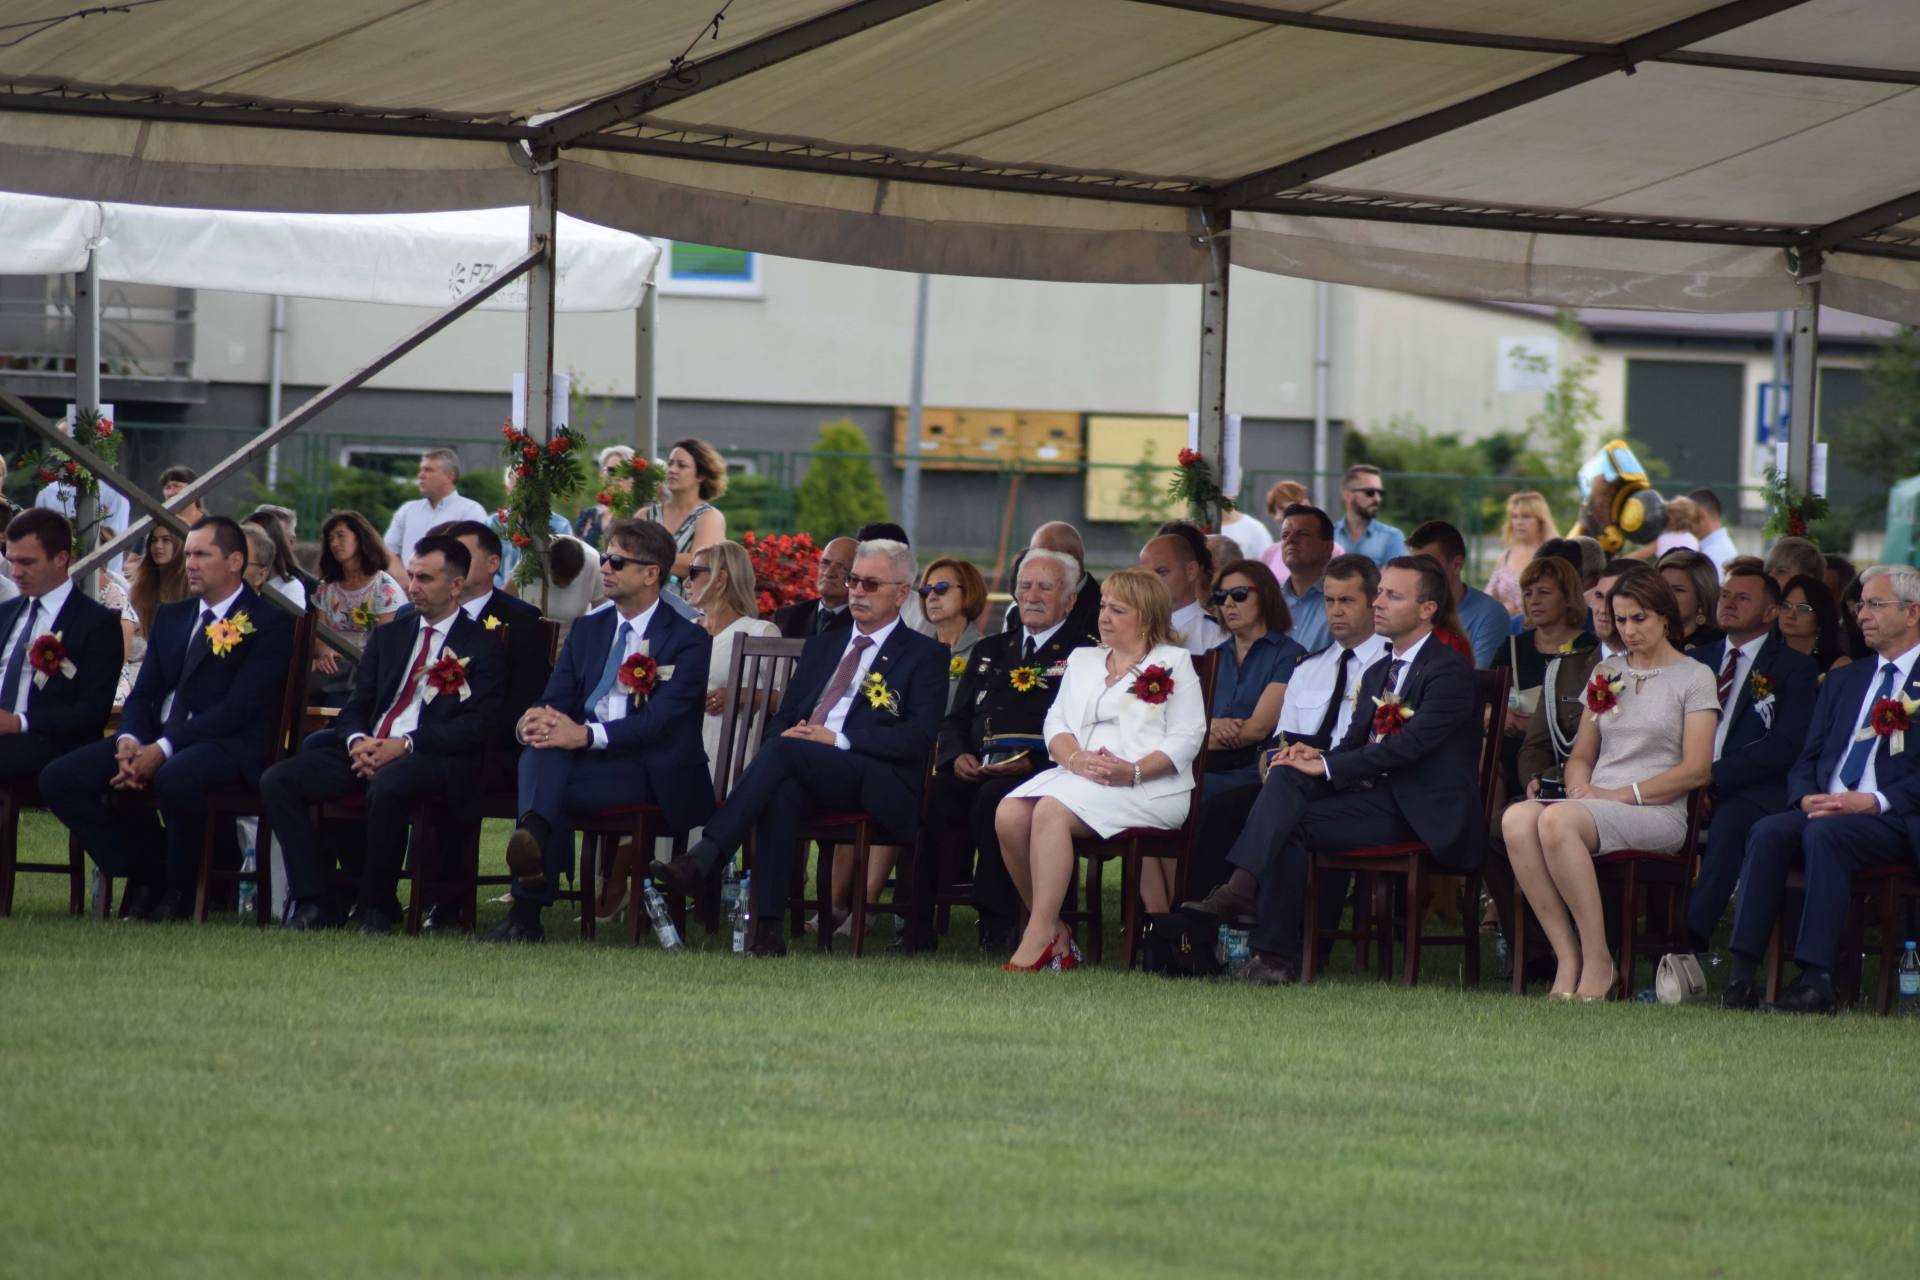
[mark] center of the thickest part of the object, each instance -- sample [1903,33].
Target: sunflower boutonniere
[1027,679]
[881,698]
[225,634]
[363,616]
[956,666]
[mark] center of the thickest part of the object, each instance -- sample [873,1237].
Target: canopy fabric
[420,259]
[1634,153]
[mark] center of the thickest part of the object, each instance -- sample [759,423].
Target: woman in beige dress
[1645,741]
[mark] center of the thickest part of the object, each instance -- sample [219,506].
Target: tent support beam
[646,385]
[1805,379]
[1569,75]
[1213,358]
[1881,216]
[234,462]
[543,227]
[86,387]
[684,79]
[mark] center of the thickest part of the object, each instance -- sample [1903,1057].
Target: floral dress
[352,614]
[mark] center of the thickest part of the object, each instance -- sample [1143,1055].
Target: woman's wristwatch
[1136,775]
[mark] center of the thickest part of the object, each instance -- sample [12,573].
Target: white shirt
[1718,547]
[1748,652]
[476,606]
[1039,638]
[1867,780]
[616,701]
[837,714]
[1248,534]
[408,720]
[413,519]
[292,588]
[166,704]
[50,606]
[1311,688]
[1198,632]
[64,498]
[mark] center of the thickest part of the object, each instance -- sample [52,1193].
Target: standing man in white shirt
[1715,543]
[437,504]
[1178,556]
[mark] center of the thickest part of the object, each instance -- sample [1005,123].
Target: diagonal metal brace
[93,462]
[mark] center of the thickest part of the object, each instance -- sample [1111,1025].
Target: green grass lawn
[181,1101]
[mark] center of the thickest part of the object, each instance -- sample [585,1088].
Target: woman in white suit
[1124,729]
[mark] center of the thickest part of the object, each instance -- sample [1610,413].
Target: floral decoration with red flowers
[1890,718]
[640,675]
[89,429]
[47,655]
[545,473]
[634,483]
[448,675]
[1390,715]
[1154,685]
[785,567]
[1194,484]
[1603,693]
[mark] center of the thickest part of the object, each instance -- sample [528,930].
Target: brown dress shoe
[682,875]
[1260,971]
[1226,903]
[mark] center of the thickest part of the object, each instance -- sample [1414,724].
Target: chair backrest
[293,695]
[1206,668]
[1490,688]
[761,668]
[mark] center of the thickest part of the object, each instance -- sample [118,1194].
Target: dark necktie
[1027,650]
[1393,676]
[823,618]
[1726,677]
[404,699]
[1854,767]
[1329,721]
[17,660]
[197,642]
[842,679]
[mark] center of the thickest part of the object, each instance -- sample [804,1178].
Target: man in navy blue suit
[202,714]
[1766,704]
[46,713]
[599,736]
[853,732]
[1418,780]
[423,699]
[1854,802]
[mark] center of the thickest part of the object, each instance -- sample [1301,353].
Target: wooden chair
[239,800]
[1403,868]
[1135,845]
[1878,895]
[859,830]
[14,799]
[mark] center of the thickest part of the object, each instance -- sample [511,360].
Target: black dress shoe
[443,918]
[524,859]
[519,926]
[769,940]
[1802,997]
[1226,903]
[171,906]
[308,917]
[996,940]
[375,921]
[1261,971]
[682,876]
[911,942]
[137,900]
[1740,995]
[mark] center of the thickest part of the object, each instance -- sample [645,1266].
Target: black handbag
[1178,945]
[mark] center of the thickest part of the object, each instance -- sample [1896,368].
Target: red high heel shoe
[1047,960]
[1069,957]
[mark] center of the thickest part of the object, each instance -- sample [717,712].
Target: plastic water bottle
[249,889]
[743,914]
[1231,947]
[1910,982]
[662,922]
[729,889]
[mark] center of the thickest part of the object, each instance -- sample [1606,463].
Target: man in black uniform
[990,742]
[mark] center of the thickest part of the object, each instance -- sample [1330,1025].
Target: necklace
[1640,677]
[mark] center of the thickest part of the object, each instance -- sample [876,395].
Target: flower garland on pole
[53,465]
[1194,485]
[543,475]
[1789,510]
[784,568]
[631,479]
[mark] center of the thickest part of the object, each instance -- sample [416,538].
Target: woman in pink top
[1529,523]
[1283,495]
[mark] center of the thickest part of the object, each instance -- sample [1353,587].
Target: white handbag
[1679,979]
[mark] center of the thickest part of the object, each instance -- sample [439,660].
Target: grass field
[187,1102]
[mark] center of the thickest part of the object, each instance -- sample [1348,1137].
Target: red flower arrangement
[47,654]
[1390,715]
[638,675]
[1154,685]
[544,474]
[1603,693]
[1195,484]
[784,568]
[638,483]
[1888,717]
[448,675]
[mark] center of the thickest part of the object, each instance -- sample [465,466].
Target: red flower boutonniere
[1603,693]
[640,675]
[1890,719]
[47,655]
[1154,685]
[1390,715]
[448,675]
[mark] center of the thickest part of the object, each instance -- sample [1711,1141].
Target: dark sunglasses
[1236,594]
[694,571]
[868,585]
[932,589]
[619,562]
[1368,493]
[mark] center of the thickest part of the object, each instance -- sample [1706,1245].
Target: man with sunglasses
[853,732]
[594,740]
[1853,802]
[827,611]
[1360,530]
[989,744]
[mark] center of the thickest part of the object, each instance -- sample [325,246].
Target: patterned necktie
[1393,676]
[842,679]
[1726,677]
[17,660]
[616,654]
[404,699]
[197,642]
[1331,720]
[1854,767]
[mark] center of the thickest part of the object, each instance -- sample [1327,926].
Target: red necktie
[842,679]
[1727,674]
[404,698]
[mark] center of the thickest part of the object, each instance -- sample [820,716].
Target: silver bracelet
[1136,775]
[1636,794]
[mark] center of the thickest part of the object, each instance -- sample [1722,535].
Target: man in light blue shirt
[1306,545]
[1359,532]
[1483,618]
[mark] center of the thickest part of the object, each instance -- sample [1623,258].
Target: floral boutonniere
[1565,648]
[1026,679]
[448,675]
[1390,715]
[491,622]
[363,616]
[1890,719]
[881,698]
[1760,689]
[48,658]
[1603,693]
[1154,685]
[225,634]
[640,675]
[956,666]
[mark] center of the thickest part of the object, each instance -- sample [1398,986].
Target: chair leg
[1380,894]
[1775,962]
[418,882]
[1095,907]
[1310,935]
[1629,911]
[203,882]
[1518,954]
[589,879]
[76,876]
[9,851]
[636,906]
[1889,957]
[1131,865]
[263,874]
[1470,931]
[857,892]
[1416,920]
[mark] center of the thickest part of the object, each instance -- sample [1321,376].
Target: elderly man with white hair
[853,732]
[990,743]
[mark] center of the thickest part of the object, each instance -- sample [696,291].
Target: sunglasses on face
[1368,493]
[932,589]
[619,562]
[869,585]
[1236,594]
[694,571]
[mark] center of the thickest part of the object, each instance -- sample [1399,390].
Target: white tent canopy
[416,259]
[1658,153]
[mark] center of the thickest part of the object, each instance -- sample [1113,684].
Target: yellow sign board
[1116,447]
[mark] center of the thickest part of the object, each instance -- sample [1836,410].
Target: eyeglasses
[1369,493]
[1802,609]
[932,589]
[1880,606]
[869,585]
[694,571]
[619,562]
[1236,594]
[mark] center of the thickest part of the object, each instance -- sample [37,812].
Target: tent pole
[916,409]
[276,371]
[1213,359]
[646,389]
[86,388]
[542,228]
[1322,366]
[1805,377]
